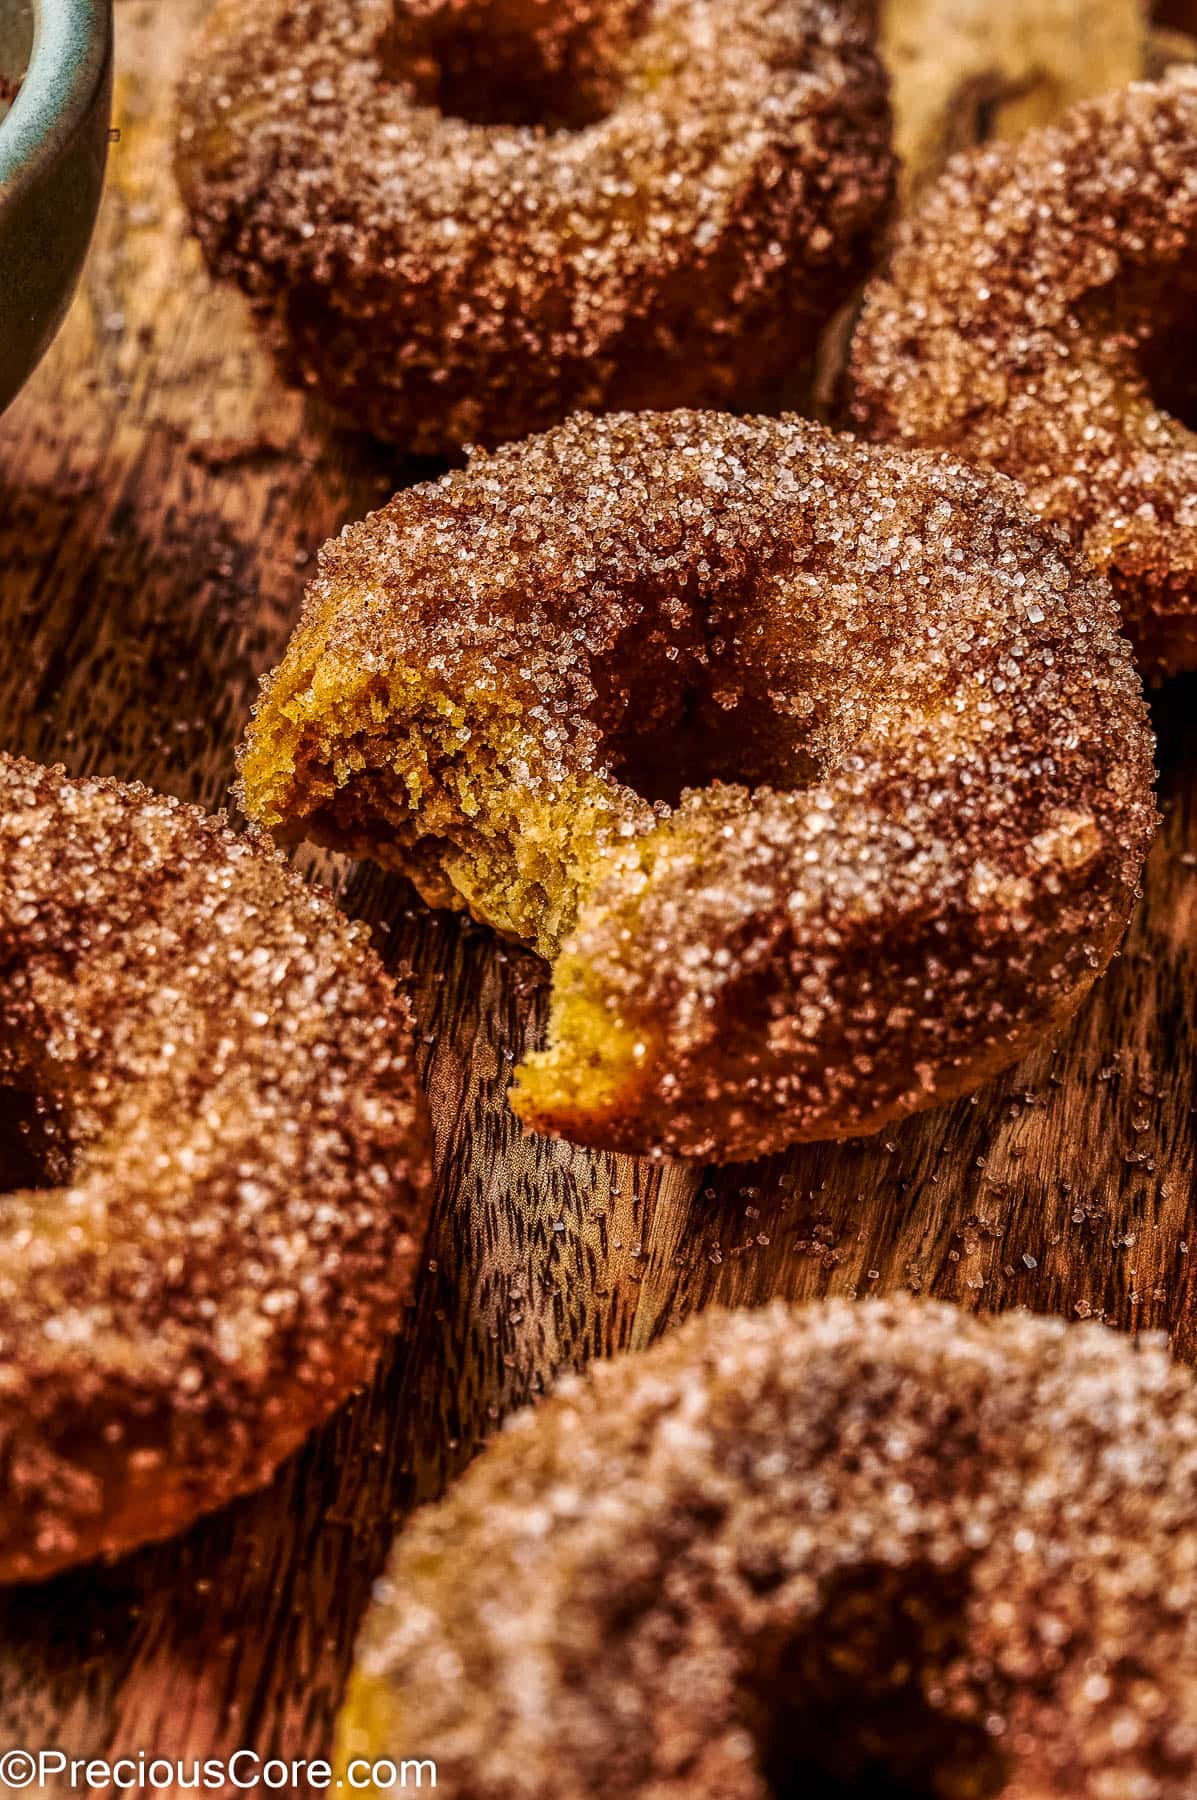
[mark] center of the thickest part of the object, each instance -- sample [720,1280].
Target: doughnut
[1037,316]
[866,1548]
[965,70]
[818,770]
[463,219]
[211,1122]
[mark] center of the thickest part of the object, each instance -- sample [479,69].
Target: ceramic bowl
[55,104]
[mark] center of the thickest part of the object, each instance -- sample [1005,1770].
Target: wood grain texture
[161,496]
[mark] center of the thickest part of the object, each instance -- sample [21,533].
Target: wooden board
[160,499]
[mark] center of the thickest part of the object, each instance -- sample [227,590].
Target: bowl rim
[72,41]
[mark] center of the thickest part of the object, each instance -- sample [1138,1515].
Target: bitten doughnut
[871,1548]
[211,1120]
[1037,316]
[463,219]
[819,770]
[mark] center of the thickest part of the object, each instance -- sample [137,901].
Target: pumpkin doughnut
[820,770]
[209,1111]
[463,219]
[1037,315]
[879,1547]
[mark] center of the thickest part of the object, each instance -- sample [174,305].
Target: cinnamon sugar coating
[462,219]
[818,769]
[1038,315]
[869,1548]
[209,1109]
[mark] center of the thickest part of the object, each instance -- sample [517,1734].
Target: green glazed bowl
[53,147]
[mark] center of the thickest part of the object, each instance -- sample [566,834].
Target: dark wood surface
[161,496]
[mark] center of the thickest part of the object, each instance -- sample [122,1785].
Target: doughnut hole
[737,695]
[35,1150]
[514,62]
[493,797]
[845,1709]
[747,739]
[41,1119]
[1168,361]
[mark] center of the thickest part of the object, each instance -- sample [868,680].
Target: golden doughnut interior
[467,798]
